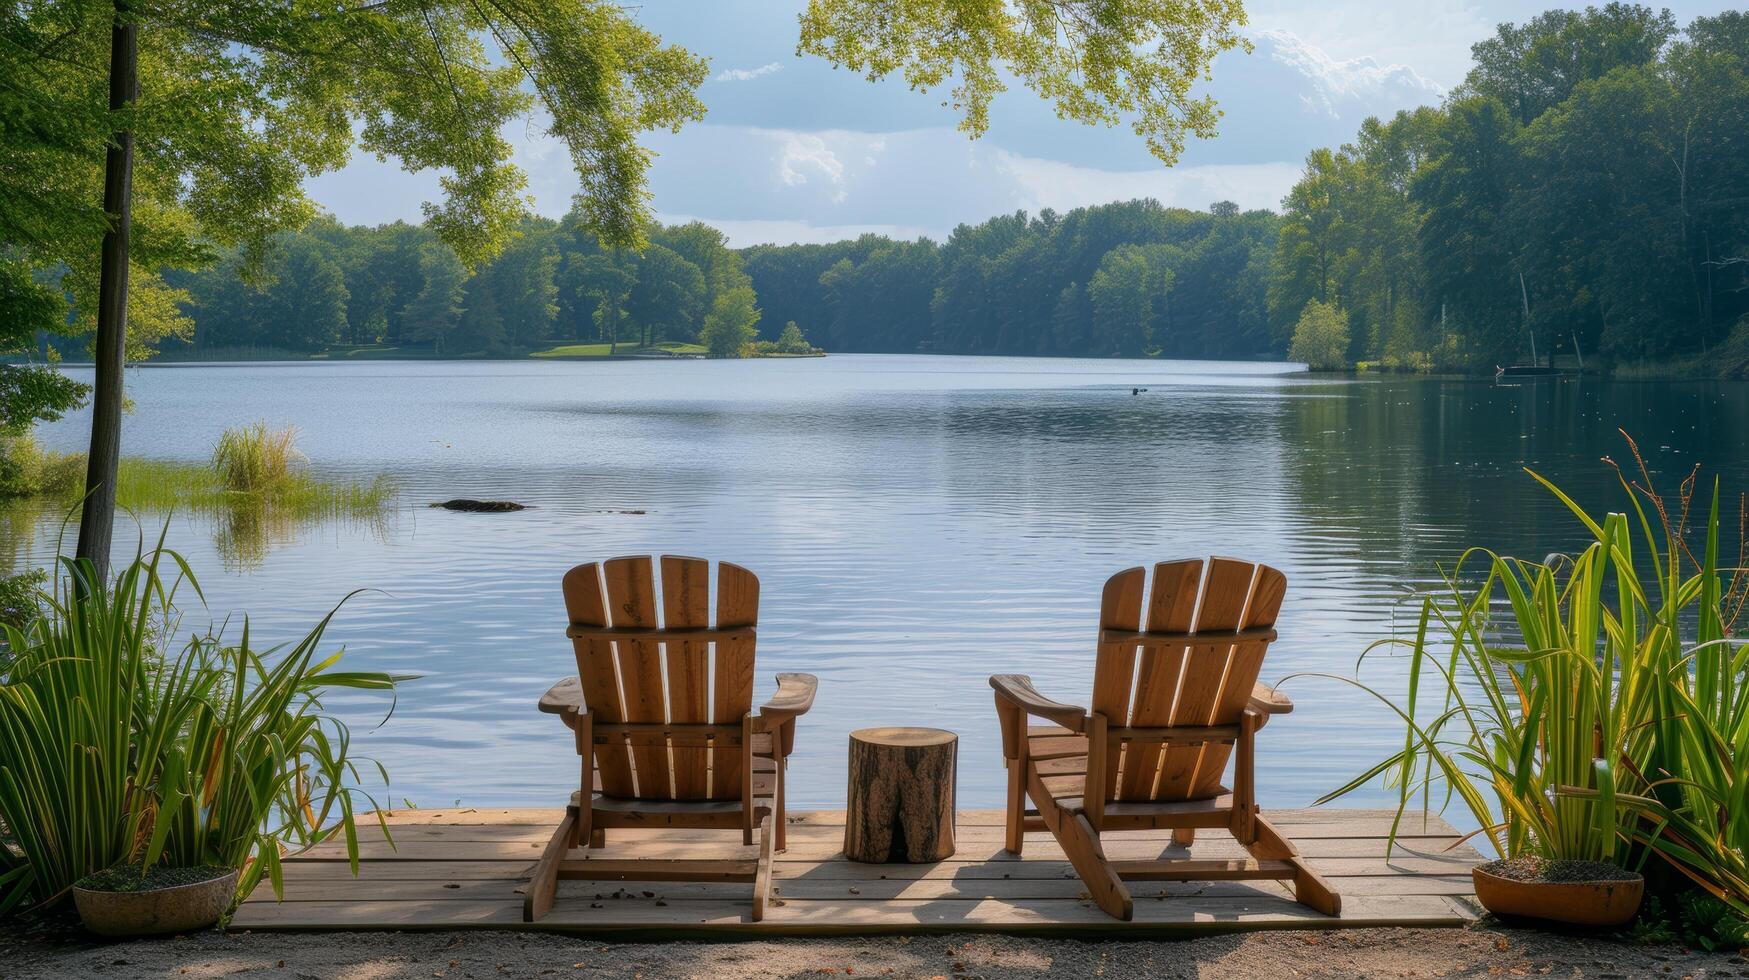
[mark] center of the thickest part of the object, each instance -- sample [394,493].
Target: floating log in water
[481,506]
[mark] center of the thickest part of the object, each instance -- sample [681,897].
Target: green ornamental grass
[1589,706]
[125,740]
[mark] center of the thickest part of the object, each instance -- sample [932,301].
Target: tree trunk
[901,798]
[97,520]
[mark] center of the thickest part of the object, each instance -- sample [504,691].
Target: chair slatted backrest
[1190,663]
[666,690]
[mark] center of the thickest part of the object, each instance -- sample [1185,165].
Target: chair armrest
[1266,701]
[795,695]
[1017,690]
[565,697]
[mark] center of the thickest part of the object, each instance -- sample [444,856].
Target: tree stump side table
[899,808]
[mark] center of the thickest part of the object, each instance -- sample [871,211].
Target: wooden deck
[465,868]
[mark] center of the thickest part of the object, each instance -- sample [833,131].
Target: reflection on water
[247,529]
[917,523]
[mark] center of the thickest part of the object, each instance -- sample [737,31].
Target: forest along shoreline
[1219,284]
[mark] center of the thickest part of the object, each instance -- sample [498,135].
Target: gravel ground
[1479,952]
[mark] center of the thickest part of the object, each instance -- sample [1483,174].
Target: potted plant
[155,774]
[1531,724]
[1547,698]
[1596,719]
[1586,893]
[132,901]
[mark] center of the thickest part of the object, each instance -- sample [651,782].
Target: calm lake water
[917,522]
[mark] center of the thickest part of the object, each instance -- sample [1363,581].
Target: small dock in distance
[465,868]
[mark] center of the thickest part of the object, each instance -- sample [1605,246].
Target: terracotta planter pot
[180,908]
[1583,903]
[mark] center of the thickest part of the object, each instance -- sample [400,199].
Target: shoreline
[1293,367]
[1681,370]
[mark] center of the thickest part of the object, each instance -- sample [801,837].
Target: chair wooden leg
[777,801]
[575,837]
[583,805]
[1016,836]
[544,884]
[762,879]
[1243,825]
[598,837]
[1081,845]
[1310,888]
[1184,836]
[747,779]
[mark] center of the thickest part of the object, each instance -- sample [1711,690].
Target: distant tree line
[397,285]
[1125,279]
[1586,188]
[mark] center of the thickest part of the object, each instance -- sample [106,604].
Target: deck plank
[1292,817]
[327,872]
[969,852]
[467,867]
[1367,827]
[960,887]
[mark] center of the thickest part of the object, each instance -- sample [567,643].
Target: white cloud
[747,74]
[1433,35]
[802,152]
[1339,85]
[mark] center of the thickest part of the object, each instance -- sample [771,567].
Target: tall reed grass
[253,458]
[125,740]
[1590,706]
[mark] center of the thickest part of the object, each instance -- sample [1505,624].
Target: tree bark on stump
[901,797]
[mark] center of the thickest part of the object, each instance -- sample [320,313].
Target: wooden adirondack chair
[1171,701]
[665,732]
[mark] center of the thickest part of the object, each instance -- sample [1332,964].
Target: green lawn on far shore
[373,352]
[672,348]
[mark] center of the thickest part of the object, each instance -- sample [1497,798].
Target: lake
[917,523]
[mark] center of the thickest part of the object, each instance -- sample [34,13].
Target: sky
[793,150]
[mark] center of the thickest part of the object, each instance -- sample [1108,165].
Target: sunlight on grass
[602,350]
[161,485]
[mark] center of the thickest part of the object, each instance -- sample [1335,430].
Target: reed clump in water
[253,458]
[250,464]
[256,488]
